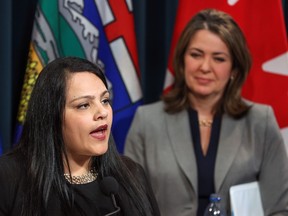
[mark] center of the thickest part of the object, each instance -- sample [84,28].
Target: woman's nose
[100,112]
[205,65]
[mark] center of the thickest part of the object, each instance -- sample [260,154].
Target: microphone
[109,186]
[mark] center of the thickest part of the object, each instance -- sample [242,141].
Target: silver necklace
[82,179]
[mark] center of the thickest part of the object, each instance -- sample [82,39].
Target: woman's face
[87,116]
[207,65]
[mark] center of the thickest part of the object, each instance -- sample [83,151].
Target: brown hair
[230,33]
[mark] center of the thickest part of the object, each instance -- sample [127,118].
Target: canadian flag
[263,25]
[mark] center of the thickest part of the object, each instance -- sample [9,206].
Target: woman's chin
[100,150]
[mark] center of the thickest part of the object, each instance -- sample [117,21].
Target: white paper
[246,200]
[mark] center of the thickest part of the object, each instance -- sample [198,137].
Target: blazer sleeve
[273,178]
[135,140]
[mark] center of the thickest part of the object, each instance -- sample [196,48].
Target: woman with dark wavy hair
[66,151]
[203,137]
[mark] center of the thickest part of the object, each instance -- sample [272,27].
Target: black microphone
[109,186]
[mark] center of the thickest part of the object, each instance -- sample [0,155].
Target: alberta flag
[101,31]
[263,25]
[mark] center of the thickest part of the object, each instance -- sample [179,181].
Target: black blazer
[97,203]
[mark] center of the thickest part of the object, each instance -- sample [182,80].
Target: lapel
[229,142]
[181,141]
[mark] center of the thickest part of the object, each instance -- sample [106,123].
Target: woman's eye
[195,55]
[83,106]
[220,59]
[106,101]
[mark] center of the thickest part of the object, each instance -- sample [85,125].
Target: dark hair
[226,28]
[42,147]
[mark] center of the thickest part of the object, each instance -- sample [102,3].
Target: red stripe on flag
[123,26]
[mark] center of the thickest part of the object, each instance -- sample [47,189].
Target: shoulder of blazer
[150,112]
[257,106]
[157,109]
[259,111]
[152,107]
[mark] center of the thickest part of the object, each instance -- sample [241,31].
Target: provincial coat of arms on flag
[101,31]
